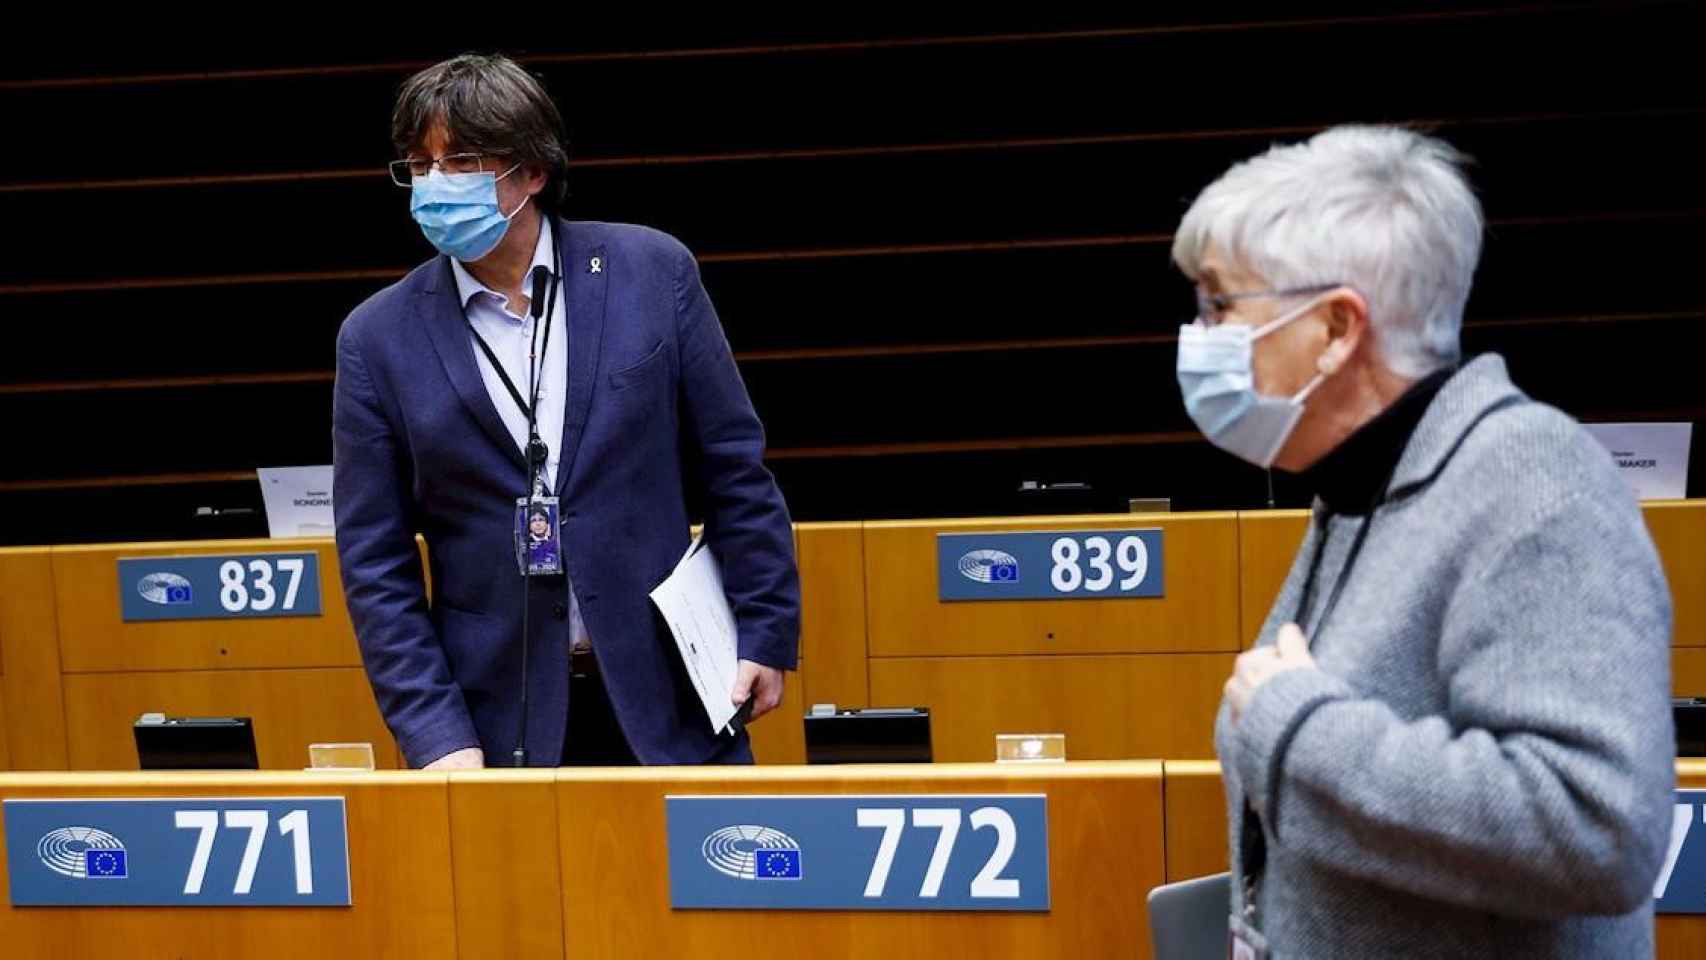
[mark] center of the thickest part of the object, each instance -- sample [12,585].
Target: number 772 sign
[885,852]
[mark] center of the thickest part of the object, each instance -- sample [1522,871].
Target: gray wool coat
[1482,765]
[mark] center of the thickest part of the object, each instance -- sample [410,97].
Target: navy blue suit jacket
[655,404]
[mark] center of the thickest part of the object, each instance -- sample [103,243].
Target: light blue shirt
[510,335]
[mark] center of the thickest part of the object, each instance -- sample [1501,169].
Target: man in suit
[460,401]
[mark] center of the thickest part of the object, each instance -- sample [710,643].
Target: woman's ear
[1347,327]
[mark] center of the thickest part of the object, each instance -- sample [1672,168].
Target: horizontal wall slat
[1588,369]
[801,97]
[922,299]
[987,195]
[939,244]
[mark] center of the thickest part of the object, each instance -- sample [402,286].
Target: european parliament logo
[83,853]
[748,852]
[990,566]
[167,589]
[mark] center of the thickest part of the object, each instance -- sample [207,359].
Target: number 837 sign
[206,587]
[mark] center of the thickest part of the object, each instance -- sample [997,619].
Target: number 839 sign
[1050,565]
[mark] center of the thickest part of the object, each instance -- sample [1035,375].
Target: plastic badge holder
[340,756]
[1030,748]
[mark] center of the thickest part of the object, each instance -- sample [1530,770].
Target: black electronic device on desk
[1690,716]
[195,743]
[877,735]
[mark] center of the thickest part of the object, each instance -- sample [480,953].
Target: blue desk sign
[1049,565]
[911,852]
[1681,887]
[215,587]
[187,852]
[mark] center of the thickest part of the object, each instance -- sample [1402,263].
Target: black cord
[537,454]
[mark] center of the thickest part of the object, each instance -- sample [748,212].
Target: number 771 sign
[183,852]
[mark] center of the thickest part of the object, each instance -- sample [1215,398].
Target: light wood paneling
[1267,543]
[1679,531]
[1688,671]
[29,661]
[832,607]
[509,899]
[1109,707]
[1199,612]
[291,709]
[1105,854]
[93,637]
[779,736]
[5,754]
[1196,819]
[400,878]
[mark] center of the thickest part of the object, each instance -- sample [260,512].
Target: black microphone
[541,290]
[544,295]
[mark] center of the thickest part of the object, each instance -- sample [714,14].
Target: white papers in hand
[692,602]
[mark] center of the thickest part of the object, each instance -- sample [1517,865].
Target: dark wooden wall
[939,245]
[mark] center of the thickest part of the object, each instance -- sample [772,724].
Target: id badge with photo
[538,539]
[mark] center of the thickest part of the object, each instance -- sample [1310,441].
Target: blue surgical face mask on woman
[459,212]
[1217,378]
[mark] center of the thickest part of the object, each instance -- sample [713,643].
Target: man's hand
[468,758]
[762,683]
[1256,667]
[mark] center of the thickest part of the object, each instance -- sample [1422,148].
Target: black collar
[1349,478]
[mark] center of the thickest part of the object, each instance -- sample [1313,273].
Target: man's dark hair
[488,104]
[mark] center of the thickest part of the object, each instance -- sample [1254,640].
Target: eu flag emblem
[105,863]
[778,865]
[178,595]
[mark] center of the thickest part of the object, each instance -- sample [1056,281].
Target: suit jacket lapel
[585,269]
[448,329]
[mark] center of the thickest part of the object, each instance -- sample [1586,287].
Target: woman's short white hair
[1384,210]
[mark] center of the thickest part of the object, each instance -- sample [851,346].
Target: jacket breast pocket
[640,371]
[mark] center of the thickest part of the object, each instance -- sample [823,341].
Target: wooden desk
[400,876]
[573,864]
[1120,678]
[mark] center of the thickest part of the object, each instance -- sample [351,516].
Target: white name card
[298,500]
[1653,457]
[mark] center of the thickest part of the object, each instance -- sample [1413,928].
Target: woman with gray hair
[1452,737]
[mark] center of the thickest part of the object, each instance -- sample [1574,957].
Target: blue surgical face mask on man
[459,212]
[1217,378]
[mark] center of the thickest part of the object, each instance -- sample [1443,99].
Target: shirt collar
[467,288]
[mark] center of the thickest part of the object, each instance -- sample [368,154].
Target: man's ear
[1347,327]
[536,178]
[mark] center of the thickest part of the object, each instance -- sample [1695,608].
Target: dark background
[939,244]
